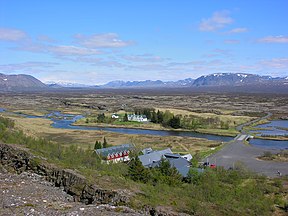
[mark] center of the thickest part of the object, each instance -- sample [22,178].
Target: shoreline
[159,129]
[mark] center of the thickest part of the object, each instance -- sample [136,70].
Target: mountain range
[22,81]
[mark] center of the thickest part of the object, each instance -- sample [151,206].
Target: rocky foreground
[30,187]
[29,194]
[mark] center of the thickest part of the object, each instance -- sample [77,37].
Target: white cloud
[275,63]
[231,41]
[144,58]
[72,50]
[45,38]
[100,62]
[109,40]
[7,68]
[7,34]
[218,21]
[237,30]
[274,39]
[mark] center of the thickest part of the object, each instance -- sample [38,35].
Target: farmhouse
[138,118]
[115,154]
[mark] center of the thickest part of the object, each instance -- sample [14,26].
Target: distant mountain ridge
[20,81]
[148,84]
[225,80]
[66,84]
[232,79]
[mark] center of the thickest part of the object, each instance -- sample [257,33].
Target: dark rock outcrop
[20,160]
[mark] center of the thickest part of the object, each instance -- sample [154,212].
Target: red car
[212,166]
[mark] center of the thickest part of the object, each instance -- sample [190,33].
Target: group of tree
[101,118]
[164,173]
[166,119]
[144,111]
[99,145]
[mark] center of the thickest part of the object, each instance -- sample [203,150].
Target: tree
[167,116]
[195,160]
[137,172]
[164,166]
[105,144]
[98,145]
[170,175]
[193,176]
[101,117]
[154,117]
[125,118]
[159,116]
[194,124]
[174,122]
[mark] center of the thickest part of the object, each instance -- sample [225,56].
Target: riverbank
[279,138]
[217,132]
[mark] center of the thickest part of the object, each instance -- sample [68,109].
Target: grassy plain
[236,108]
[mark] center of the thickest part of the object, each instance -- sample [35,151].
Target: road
[237,151]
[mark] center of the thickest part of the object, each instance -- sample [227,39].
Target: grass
[222,132]
[223,117]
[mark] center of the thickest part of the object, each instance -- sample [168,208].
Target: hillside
[19,82]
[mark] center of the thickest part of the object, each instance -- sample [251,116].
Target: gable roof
[154,156]
[114,149]
[181,164]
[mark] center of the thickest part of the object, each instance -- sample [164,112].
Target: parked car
[212,166]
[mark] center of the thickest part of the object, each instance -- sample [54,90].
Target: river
[65,121]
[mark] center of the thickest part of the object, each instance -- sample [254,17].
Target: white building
[115,116]
[138,118]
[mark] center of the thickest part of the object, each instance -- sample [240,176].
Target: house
[187,157]
[138,118]
[115,116]
[115,154]
[151,159]
[181,164]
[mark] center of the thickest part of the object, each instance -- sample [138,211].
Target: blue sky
[94,42]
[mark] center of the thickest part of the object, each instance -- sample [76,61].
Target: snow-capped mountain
[66,84]
[148,84]
[232,79]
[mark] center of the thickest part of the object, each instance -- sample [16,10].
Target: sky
[94,42]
